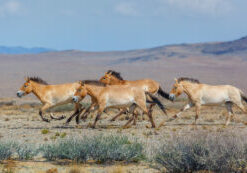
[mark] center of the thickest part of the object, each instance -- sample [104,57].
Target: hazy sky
[100,25]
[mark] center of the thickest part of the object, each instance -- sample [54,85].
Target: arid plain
[212,63]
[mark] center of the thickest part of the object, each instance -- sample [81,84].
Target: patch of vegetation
[226,153]
[62,135]
[6,150]
[45,131]
[99,148]
[25,151]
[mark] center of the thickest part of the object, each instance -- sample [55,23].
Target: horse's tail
[157,101]
[163,93]
[243,96]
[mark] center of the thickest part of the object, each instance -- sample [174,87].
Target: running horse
[115,96]
[202,94]
[50,95]
[150,86]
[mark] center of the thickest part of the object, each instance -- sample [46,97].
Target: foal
[50,95]
[201,94]
[116,96]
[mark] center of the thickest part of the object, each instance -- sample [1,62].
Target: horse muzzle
[20,94]
[172,97]
[75,99]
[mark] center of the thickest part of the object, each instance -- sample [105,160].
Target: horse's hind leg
[123,111]
[143,106]
[132,108]
[230,112]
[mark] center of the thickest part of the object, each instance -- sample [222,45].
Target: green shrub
[25,151]
[6,150]
[44,131]
[99,148]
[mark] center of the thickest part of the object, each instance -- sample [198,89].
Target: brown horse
[148,85]
[117,96]
[201,94]
[50,95]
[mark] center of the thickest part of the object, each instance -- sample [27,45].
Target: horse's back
[148,85]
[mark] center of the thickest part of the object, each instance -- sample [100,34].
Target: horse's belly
[213,100]
[120,102]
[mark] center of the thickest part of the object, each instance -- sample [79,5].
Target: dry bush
[218,152]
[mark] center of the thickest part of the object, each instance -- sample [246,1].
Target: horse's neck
[189,88]
[38,90]
[93,90]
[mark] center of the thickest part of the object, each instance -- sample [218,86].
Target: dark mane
[188,79]
[93,82]
[116,74]
[38,80]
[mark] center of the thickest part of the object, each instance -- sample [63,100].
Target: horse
[150,86]
[202,94]
[50,95]
[116,96]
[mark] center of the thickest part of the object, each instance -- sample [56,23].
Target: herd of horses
[112,91]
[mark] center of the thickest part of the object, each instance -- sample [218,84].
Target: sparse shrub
[57,134]
[215,152]
[44,131]
[6,150]
[99,148]
[25,151]
[63,135]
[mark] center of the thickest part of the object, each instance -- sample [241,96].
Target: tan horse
[148,85]
[50,95]
[201,94]
[116,96]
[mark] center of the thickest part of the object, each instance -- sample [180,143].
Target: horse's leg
[100,111]
[230,112]
[198,110]
[240,105]
[88,110]
[77,112]
[157,101]
[132,108]
[123,111]
[42,110]
[142,105]
[186,107]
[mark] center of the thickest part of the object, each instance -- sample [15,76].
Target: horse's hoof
[46,120]
[66,124]
[112,120]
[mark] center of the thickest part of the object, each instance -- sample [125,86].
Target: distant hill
[23,50]
[212,63]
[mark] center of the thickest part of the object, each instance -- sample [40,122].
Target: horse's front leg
[186,107]
[43,109]
[78,110]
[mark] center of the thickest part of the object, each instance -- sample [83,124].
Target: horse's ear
[81,83]
[176,80]
[27,79]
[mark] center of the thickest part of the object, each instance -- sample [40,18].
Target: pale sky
[102,25]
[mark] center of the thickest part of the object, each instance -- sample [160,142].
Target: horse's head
[108,78]
[111,78]
[177,90]
[25,89]
[80,93]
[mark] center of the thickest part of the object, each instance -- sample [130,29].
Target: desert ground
[19,121]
